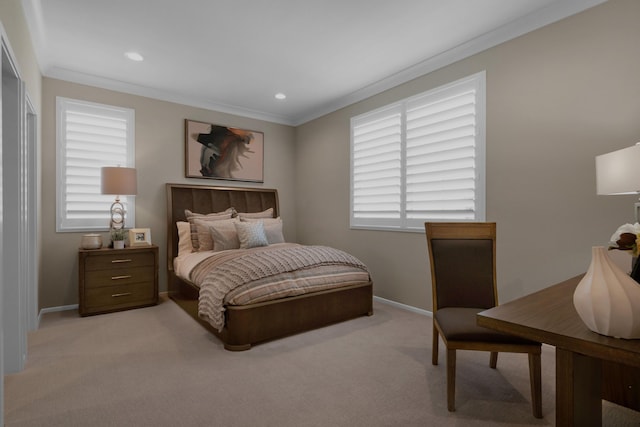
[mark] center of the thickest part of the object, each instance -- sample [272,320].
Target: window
[421,159]
[88,137]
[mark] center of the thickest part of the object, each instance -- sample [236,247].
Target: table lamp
[618,173]
[121,182]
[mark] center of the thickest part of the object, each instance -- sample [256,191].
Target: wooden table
[589,366]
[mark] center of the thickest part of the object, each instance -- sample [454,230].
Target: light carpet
[157,367]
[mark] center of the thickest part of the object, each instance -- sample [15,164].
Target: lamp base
[117,215]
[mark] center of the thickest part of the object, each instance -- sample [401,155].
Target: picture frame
[139,237]
[215,151]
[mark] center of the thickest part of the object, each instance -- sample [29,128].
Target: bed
[248,324]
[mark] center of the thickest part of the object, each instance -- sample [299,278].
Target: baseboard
[165,295]
[162,295]
[404,306]
[54,309]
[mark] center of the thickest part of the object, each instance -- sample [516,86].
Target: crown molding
[557,11]
[517,28]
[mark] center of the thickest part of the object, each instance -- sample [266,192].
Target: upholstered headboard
[205,199]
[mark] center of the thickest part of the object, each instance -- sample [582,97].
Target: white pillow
[224,235]
[272,229]
[215,216]
[264,214]
[184,238]
[205,243]
[251,234]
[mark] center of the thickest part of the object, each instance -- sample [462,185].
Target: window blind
[90,136]
[377,162]
[441,163]
[421,159]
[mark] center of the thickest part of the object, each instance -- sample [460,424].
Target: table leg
[578,389]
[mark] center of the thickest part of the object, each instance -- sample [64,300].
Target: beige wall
[159,159]
[556,98]
[15,26]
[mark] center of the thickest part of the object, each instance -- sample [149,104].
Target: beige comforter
[247,276]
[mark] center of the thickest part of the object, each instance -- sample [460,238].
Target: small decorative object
[139,237]
[607,299]
[117,236]
[91,241]
[221,152]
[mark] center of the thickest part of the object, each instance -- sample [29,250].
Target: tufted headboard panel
[205,199]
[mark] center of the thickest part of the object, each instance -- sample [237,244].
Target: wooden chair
[463,276]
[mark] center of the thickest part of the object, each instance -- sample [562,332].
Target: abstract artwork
[221,152]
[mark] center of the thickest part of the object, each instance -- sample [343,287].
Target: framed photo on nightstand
[139,237]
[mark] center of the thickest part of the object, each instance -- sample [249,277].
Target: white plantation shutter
[377,165]
[90,136]
[421,159]
[441,155]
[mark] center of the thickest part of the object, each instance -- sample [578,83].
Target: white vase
[118,244]
[607,299]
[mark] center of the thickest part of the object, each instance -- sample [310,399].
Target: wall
[159,160]
[15,26]
[556,98]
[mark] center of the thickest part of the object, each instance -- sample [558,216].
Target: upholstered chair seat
[459,324]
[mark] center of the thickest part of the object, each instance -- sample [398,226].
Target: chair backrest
[463,264]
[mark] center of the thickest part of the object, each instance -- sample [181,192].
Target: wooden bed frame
[251,324]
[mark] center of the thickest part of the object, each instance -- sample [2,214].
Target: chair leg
[451,380]
[434,346]
[493,360]
[535,376]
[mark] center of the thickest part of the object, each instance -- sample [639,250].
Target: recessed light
[280,95]
[134,56]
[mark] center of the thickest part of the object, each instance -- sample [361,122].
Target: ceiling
[234,55]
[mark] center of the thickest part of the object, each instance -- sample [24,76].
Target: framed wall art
[139,237]
[221,152]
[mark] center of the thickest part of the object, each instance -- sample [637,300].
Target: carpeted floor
[157,367]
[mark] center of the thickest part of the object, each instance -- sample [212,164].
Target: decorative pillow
[216,216]
[251,234]
[264,214]
[272,229]
[224,235]
[184,238]
[202,232]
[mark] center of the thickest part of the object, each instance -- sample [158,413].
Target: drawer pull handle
[121,277]
[124,294]
[116,261]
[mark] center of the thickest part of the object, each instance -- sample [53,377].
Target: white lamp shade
[618,172]
[119,181]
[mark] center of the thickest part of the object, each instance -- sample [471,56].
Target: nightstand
[117,279]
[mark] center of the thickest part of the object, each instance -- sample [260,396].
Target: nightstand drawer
[117,279]
[118,276]
[119,259]
[114,296]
